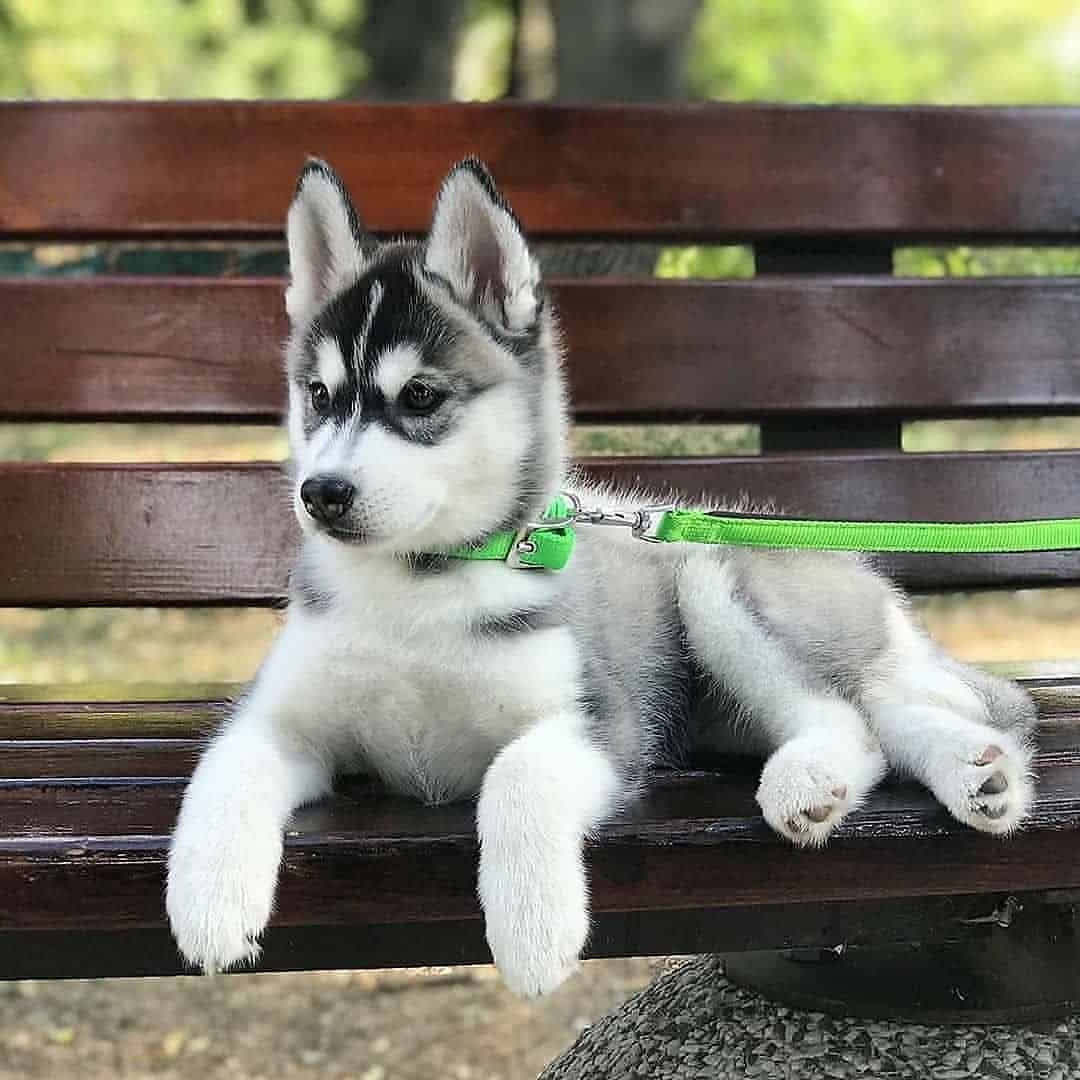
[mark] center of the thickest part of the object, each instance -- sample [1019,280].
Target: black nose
[326,497]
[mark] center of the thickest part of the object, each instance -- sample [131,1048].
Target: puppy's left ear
[476,245]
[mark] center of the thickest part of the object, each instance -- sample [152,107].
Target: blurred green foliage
[885,51]
[888,51]
[178,48]
[986,261]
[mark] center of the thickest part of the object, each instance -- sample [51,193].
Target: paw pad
[994,785]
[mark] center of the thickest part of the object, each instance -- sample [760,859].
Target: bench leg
[1021,965]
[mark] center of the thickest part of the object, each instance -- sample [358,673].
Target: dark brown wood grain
[105,757]
[51,743]
[42,712]
[99,953]
[830,349]
[191,534]
[696,841]
[710,171]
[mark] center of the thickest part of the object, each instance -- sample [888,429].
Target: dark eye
[320,397]
[418,398]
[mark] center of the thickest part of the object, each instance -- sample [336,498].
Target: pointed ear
[326,241]
[476,245]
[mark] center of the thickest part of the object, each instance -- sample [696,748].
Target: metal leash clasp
[642,523]
[649,521]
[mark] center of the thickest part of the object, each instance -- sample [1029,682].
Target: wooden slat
[838,431]
[105,758]
[710,171]
[46,732]
[96,953]
[56,715]
[80,761]
[196,534]
[696,841]
[50,742]
[131,348]
[58,712]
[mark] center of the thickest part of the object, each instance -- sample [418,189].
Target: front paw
[220,895]
[537,919]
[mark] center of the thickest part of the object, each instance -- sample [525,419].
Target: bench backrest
[824,348]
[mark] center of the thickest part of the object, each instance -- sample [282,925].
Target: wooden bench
[824,349]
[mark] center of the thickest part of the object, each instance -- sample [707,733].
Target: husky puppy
[427,410]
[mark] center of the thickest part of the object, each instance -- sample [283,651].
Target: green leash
[548,543]
[918,537]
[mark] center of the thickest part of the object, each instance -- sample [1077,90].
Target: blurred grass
[1030,433]
[133,644]
[141,442]
[1024,633]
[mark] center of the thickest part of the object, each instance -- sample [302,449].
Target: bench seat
[373,880]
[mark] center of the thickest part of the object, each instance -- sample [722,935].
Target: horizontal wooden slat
[58,712]
[56,715]
[79,762]
[197,534]
[97,953]
[709,171]
[131,348]
[696,841]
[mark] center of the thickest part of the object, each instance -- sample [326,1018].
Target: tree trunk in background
[622,50]
[410,46]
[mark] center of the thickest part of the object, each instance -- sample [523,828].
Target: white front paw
[537,917]
[221,892]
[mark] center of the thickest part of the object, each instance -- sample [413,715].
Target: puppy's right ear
[327,243]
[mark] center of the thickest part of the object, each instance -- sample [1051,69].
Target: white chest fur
[400,685]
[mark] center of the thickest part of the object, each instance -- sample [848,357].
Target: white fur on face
[412,497]
[395,368]
[331,364]
[374,299]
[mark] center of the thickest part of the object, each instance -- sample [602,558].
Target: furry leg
[981,774]
[960,731]
[225,852]
[823,759]
[541,796]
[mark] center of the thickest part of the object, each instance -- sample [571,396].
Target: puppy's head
[425,396]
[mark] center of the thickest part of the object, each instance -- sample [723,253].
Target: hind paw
[809,785]
[987,783]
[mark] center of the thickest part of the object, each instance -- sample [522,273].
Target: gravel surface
[692,1024]
[452,1023]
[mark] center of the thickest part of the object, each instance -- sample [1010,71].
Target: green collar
[546,544]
